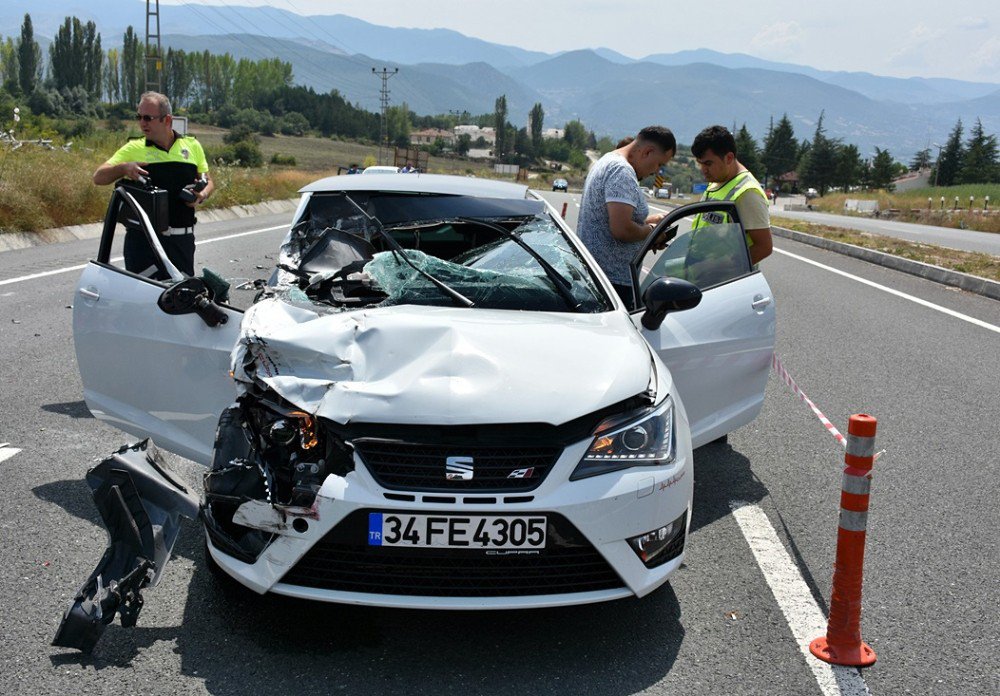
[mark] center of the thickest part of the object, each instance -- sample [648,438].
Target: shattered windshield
[337,255]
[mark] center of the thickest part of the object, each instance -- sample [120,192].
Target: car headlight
[621,443]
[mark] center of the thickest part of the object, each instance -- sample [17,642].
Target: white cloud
[914,51]
[974,23]
[778,40]
[987,59]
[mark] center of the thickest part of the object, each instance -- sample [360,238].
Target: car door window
[140,255]
[713,253]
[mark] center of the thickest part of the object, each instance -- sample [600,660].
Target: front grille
[417,466]
[343,561]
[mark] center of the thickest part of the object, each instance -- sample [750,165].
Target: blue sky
[923,38]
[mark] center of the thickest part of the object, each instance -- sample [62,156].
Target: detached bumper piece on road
[141,504]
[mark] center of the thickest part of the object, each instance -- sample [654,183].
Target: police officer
[169,161]
[715,151]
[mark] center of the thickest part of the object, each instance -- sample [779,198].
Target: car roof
[420,183]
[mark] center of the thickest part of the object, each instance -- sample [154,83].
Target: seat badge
[458,468]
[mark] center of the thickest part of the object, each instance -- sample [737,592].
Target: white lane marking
[796,601]
[116,259]
[897,293]
[7,452]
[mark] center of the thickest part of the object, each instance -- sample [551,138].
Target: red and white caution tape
[780,370]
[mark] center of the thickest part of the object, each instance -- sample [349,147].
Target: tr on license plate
[455,531]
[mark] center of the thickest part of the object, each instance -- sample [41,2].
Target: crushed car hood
[439,365]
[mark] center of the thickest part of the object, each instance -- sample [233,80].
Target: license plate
[455,531]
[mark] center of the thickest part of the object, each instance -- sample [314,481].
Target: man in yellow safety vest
[715,150]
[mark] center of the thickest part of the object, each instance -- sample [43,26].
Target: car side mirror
[667,295]
[190,296]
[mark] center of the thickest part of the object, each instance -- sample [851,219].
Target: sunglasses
[147,118]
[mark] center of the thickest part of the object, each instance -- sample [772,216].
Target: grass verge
[913,205]
[973,263]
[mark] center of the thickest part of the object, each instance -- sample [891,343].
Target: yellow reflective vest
[729,191]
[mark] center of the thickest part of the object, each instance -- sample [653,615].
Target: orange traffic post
[842,644]
[565,205]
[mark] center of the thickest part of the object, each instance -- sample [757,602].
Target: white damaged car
[438,401]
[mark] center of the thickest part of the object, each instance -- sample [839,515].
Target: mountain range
[441,70]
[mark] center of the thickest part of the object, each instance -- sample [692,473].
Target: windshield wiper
[398,251]
[563,286]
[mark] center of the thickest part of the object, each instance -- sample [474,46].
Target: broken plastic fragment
[141,503]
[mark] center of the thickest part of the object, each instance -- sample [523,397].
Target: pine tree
[883,170]
[849,167]
[979,165]
[821,163]
[780,149]
[921,160]
[951,159]
[748,153]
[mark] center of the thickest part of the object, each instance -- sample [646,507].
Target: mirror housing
[191,295]
[667,295]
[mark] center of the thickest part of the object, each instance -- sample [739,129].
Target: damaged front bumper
[141,502]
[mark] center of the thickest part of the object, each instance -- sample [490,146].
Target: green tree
[131,67]
[921,160]
[463,144]
[883,170]
[397,119]
[537,120]
[748,153]
[8,65]
[980,163]
[576,136]
[850,167]
[112,75]
[781,151]
[952,157]
[29,58]
[500,144]
[523,145]
[820,163]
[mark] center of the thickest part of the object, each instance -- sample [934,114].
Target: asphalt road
[966,240]
[931,584]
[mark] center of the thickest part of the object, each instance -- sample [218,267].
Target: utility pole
[383,141]
[153,56]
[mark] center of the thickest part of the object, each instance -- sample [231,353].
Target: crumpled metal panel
[442,365]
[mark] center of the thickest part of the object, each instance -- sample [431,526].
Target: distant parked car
[662,193]
[377,169]
[560,185]
[812,193]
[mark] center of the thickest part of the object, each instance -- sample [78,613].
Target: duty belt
[175,231]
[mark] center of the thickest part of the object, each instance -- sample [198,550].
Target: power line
[307,68]
[267,52]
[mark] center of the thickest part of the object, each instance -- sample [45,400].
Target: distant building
[428,136]
[553,133]
[475,132]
